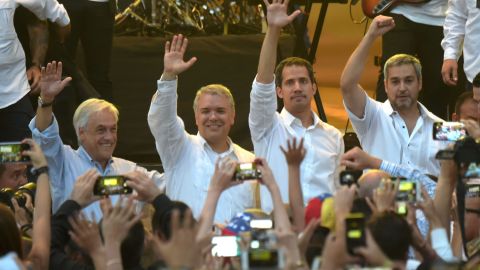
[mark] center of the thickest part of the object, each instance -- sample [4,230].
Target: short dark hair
[161,220]
[293,61]
[392,234]
[464,97]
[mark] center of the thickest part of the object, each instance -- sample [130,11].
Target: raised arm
[38,36]
[40,253]
[51,85]
[277,18]
[294,156]
[353,94]
[163,121]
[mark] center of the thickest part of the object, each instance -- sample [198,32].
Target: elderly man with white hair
[95,122]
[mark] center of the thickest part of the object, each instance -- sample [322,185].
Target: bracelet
[114,261]
[43,104]
[37,172]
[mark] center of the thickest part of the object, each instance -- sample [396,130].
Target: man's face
[214,117]
[402,86]
[99,137]
[14,176]
[297,89]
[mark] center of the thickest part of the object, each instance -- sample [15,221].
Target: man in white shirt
[294,82]
[189,160]
[400,129]
[461,32]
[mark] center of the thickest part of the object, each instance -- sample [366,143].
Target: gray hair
[85,110]
[400,60]
[214,89]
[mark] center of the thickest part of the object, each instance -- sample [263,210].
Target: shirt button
[403,126]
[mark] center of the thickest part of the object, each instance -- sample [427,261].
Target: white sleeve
[454,29]
[441,245]
[166,127]
[362,125]
[47,9]
[263,105]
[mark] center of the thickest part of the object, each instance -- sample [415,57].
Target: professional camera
[7,194]
[465,151]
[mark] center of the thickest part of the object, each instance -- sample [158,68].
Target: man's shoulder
[330,129]
[242,153]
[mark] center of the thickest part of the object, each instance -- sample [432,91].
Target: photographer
[38,257]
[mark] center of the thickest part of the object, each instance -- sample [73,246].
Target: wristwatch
[43,104]
[39,171]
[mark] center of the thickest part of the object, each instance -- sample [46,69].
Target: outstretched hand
[381,25]
[173,59]
[277,13]
[51,83]
[294,154]
[357,159]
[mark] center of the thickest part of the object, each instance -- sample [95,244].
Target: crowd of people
[401,200]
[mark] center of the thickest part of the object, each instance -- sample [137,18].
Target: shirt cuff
[64,21]
[450,53]
[263,88]
[441,244]
[50,132]
[164,86]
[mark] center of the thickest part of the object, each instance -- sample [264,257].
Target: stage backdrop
[137,64]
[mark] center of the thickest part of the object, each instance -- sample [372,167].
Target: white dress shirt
[189,161]
[383,133]
[270,130]
[13,77]
[462,28]
[430,13]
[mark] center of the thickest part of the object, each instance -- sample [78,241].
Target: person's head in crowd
[466,108]
[369,181]
[95,122]
[161,220]
[10,239]
[13,175]
[214,109]
[392,234]
[296,85]
[472,217]
[403,81]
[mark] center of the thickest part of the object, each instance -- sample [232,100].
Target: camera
[355,231]
[7,194]
[350,177]
[12,152]
[449,131]
[247,171]
[111,185]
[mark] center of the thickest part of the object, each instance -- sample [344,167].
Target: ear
[232,120]
[315,87]
[420,84]
[279,92]
[385,85]
[196,117]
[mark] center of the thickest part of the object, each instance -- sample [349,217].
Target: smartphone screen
[355,231]
[110,185]
[225,246]
[11,152]
[408,191]
[449,131]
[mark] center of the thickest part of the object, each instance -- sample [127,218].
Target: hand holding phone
[449,131]
[11,152]
[111,185]
[355,231]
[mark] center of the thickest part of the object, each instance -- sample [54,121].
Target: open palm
[277,13]
[173,58]
[51,82]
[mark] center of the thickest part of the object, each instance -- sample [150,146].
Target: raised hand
[472,127]
[82,192]
[277,13]
[86,234]
[294,154]
[384,196]
[51,83]
[173,63]
[223,175]
[380,25]
[145,187]
[35,153]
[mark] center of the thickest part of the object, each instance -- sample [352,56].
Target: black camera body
[465,151]
[7,194]
[350,177]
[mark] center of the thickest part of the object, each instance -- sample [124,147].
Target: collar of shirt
[387,107]
[290,120]
[83,153]
[207,146]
